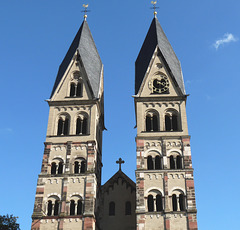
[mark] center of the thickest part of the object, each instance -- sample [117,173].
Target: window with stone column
[155,201]
[152,121]
[178,201]
[63,124]
[175,160]
[53,206]
[76,86]
[82,124]
[172,121]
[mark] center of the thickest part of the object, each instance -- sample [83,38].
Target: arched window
[76,167]
[72,207]
[79,90]
[60,127]
[63,126]
[158,163]
[49,208]
[83,167]
[152,122]
[174,202]
[150,203]
[159,205]
[149,162]
[181,202]
[76,89]
[79,207]
[56,208]
[72,89]
[171,121]
[111,208]
[172,162]
[179,162]
[53,168]
[81,127]
[167,123]
[128,210]
[174,122]
[60,168]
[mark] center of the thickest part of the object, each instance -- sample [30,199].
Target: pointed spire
[157,38]
[83,43]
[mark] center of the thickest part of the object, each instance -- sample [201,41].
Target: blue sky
[35,36]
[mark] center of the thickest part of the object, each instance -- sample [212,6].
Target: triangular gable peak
[74,84]
[157,38]
[115,178]
[158,69]
[89,58]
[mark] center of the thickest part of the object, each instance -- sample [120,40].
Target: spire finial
[154,8]
[85,11]
[120,162]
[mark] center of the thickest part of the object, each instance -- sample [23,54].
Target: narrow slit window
[181,202]
[79,126]
[148,123]
[79,90]
[66,127]
[72,89]
[172,162]
[158,164]
[159,204]
[174,202]
[155,123]
[150,203]
[60,127]
[83,167]
[149,163]
[128,210]
[72,208]
[53,168]
[79,207]
[168,123]
[56,208]
[179,162]
[174,122]
[76,167]
[49,209]
[60,168]
[112,209]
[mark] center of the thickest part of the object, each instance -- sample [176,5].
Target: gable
[74,84]
[156,37]
[158,82]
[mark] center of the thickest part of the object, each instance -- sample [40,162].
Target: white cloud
[227,38]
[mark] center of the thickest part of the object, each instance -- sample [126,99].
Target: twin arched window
[76,89]
[178,202]
[152,121]
[175,162]
[79,166]
[81,125]
[53,208]
[154,163]
[63,126]
[171,121]
[76,207]
[155,203]
[57,168]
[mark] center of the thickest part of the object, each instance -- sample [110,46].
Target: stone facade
[69,195]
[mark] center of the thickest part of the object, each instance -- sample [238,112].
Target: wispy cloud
[227,38]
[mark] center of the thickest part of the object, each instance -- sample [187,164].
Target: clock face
[159,84]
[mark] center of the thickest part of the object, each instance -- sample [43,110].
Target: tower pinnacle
[154,8]
[85,11]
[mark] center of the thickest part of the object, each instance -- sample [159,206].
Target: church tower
[165,194]
[68,187]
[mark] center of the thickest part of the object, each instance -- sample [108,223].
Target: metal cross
[85,10]
[154,7]
[120,162]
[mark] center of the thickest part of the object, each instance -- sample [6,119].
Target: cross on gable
[120,162]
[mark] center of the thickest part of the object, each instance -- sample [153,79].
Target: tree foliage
[9,223]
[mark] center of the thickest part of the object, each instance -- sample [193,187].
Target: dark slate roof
[114,179]
[84,43]
[156,37]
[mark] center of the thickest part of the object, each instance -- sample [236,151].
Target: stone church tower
[68,187]
[69,195]
[165,195]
